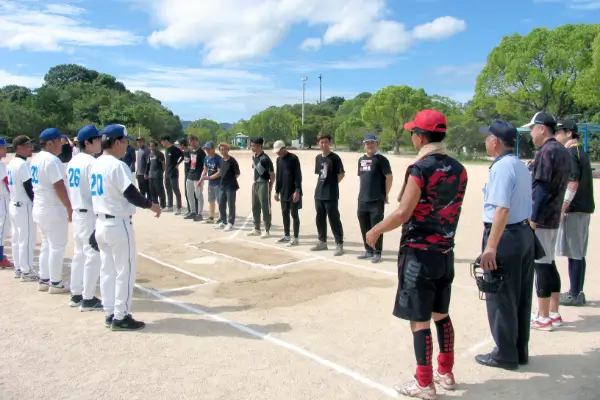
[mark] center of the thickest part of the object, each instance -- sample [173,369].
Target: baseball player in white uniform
[20,208]
[85,267]
[4,212]
[115,198]
[51,210]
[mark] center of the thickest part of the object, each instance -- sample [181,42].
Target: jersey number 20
[97,186]
[74,174]
[10,181]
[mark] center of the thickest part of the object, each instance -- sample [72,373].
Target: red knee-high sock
[445,332]
[423,351]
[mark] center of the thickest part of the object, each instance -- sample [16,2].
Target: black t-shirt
[328,168]
[372,172]
[443,183]
[186,162]
[173,156]
[66,153]
[288,178]
[230,170]
[552,165]
[196,164]
[263,167]
[581,171]
[155,165]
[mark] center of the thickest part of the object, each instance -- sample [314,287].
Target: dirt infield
[237,317]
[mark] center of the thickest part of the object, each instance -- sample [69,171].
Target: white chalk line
[281,343]
[183,271]
[179,289]
[487,341]
[252,264]
[237,232]
[304,260]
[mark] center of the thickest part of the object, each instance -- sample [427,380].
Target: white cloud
[349,64]
[453,71]
[311,44]
[439,28]
[257,26]
[32,82]
[588,5]
[53,28]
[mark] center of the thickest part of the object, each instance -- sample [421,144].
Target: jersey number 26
[74,174]
[97,186]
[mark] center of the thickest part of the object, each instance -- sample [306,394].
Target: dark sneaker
[93,304]
[108,320]
[198,218]
[568,300]
[76,300]
[376,259]
[285,239]
[127,324]
[190,216]
[365,256]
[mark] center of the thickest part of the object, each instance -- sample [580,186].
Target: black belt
[82,210]
[108,216]
[525,222]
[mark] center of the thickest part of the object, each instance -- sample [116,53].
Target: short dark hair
[153,142]
[81,145]
[432,137]
[109,142]
[193,137]
[166,138]
[322,136]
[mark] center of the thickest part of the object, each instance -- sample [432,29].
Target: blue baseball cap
[370,138]
[503,130]
[3,142]
[51,134]
[115,131]
[208,145]
[87,133]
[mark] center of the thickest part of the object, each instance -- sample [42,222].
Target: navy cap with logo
[115,131]
[88,133]
[208,145]
[569,126]
[541,118]
[21,140]
[370,138]
[503,130]
[51,134]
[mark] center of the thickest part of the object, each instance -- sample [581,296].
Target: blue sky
[228,59]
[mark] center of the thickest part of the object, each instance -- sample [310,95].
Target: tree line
[556,70]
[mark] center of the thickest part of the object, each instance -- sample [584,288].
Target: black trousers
[509,310]
[157,191]
[227,203]
[328,209]
[289,208]
[172,186]
[370,214]
[144,186]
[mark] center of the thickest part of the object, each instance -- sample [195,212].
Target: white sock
[554,315]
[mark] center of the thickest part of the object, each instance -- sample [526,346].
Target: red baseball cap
[428,120]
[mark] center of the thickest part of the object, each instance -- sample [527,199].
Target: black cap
[257,140]
[21,140]
[541,118]
[569,126]
[503,130]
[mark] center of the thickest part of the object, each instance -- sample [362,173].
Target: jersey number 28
[97,186]
[74,174]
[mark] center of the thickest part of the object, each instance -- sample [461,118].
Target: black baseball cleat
[127,324]
[76,300]
[93,304]
[108,320]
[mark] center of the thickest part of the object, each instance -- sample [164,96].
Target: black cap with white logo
[541,118]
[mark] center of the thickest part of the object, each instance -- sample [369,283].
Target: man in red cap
[430,206]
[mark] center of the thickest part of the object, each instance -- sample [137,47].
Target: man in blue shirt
[507,240]
[212,174]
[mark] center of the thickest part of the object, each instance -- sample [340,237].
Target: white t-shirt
[108,180]
[18,172]
[46,170]
[78,181]
[3,174]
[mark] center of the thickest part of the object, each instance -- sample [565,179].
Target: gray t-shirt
[142,159]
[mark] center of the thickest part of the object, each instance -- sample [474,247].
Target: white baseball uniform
[110,177]
[85,267]
[50,215]
[21,215]
[4,201]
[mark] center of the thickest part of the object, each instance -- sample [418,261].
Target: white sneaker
[413,389]
[62,287]
[265,235]
[228,228]
[43,286]
[255,232]
[220,225]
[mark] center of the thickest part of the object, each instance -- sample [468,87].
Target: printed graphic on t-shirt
[324,168]
[366,165]
[193,158]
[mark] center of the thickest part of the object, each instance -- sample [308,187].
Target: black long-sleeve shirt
[174,156]
[288,177]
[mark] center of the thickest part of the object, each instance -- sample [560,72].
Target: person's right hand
[276,197]
[156,209]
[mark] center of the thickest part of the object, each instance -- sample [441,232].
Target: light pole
[304,79]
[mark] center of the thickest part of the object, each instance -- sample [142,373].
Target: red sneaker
[5,263]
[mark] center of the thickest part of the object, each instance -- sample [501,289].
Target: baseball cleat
[127,324]
[29,277]
[5,263]
[42,285]
[17,274]
[93,304]
[108,320]
[75,300]
[59,288]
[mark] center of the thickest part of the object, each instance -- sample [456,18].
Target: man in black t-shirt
[173,157]
[376,179]
[288,190]
[183,145]
[155,170]
[264,178]
[578,206]
[193,190]
[330,169]
[230,171]
[550,173]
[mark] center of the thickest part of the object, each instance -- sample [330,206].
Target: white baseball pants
[4,219]
[116,240]
[24,236]
[85,267]
[54,228]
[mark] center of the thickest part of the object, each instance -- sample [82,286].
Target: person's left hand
[488,259]
[296,197]
[371,237]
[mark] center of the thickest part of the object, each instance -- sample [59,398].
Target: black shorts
[424,283]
